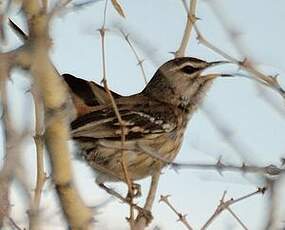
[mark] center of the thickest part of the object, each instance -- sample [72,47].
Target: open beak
[212,76]
[214,63]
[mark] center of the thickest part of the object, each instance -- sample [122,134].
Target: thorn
[28,91]
[181,217]
[262,190]
[245,62]
[140,62]
[220,166]
[164,198]
[275,76]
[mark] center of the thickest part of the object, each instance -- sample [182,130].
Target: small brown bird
[154,119]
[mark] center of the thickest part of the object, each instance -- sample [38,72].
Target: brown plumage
[155,119]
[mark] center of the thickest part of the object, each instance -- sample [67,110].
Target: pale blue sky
[158,25]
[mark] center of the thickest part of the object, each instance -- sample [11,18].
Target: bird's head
[181,81]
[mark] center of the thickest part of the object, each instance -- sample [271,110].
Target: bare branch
[181,217]
[224,205]
[191,19]
[56,134]
[142,221]
[124,156]
[139,60]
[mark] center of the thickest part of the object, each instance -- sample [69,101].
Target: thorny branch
[6,173]
[191,19]
[39,142]
[271,81]
[270,170]
[225,205]
[181,217]
[142,220]
[238,44]
[139,60]
[267,80]
[124,157]
[272,220]
[33,56]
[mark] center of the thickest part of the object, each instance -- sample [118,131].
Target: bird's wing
[140,118]
[86,94]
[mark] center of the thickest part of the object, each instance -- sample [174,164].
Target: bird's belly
[142,157]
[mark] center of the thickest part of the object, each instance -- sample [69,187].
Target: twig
[144,212]
[270,170]
[142,221]
[124,156]
[6,173]
[219,166]
[224,205]
[216,9]
[139,60]
[237,218]
[270,81]
[13,223]
[272,222]
[39,142]
[181,217]
[11,147]
[191,19]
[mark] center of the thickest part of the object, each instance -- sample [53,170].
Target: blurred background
[254,124]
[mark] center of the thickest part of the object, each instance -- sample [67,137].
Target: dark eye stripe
[188,69]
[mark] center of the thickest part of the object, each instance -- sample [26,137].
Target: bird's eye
[188,69]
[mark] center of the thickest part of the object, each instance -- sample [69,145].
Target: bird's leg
[142,211]
[136,191]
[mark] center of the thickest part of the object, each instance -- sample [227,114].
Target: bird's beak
[214,75]
[214,63]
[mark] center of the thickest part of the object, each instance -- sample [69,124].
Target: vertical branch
[191,19]
[39,143]
[11,146]
[272,211]
[124,156]
[6,171]
[54,100]
[142,220]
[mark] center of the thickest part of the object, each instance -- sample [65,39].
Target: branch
[225,205]
[267,80]
[142,221]
[191,19]
[181,217]
[139,60]
[41,176]
[124,156]
[57,133]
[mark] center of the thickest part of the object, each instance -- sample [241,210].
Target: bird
[154,120]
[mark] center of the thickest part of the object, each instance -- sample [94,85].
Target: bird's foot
[142,211]
[135,193]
